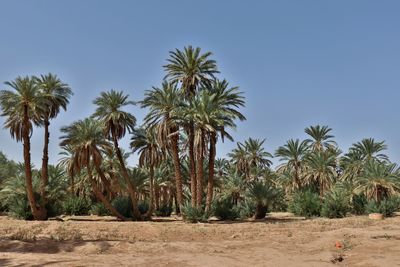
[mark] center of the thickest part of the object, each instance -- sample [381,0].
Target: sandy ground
[278,241]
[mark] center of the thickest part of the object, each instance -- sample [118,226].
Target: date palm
[320,137]
[22,106]
[249,155]
[57,95]
[116,121]
[144,142]
[293,153]
[320,169]
[378,180]
[87,142]
[163,104]
[369,149]
[190,68]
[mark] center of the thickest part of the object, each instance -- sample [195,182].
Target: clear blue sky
[299,62]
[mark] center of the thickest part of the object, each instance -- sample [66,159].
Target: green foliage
[359,203]
[99,209]
[246,209]
[19,208]
[306,204]
[263,195]
[123,205]
[143,207]
[224,209]
[76,206]
[164,211]
[336,204]
[387,206]
[194,215]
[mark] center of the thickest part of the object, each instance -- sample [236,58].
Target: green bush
[99,209]
[19,208]
[143,207]
[194,215]
[224,209]
[387,206]
[359,204]
[246,209]
[336,204]
[305,203]
[76,206]
[54,209]
[164,211]
[123,205]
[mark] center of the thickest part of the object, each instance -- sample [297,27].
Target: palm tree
[150,155]
[56,95]
[369,149]
[321,170]
[225,104]
[293,153]
[85,137]
[263,194]
[163,103]
[378,180]
[23,106]
[190,68]
[116,123]
[320,137]
[250,155]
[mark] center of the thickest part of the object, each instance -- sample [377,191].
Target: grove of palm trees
[178,176]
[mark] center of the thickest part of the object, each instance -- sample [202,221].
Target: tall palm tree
[320,137]
[116,123]
[191,69]
[370,149]
[378,180]
[321,170]
[57,95]
[144,142]
[225,104]
[293,153]
[22,106]
[85,137]
[163,104]
[250,155]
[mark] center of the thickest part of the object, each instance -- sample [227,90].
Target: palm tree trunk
[106,183]
[38,213]
[200,171]
[152,194]
[192,166]
[102,198]
[211,163]
[45,161]
[131,187]
[156,196]
[177,167]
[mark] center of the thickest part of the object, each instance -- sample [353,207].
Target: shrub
[336,204]
[164,211]
[99,209]
[246,209]
[224,209]
[359,203]
[387,206]
[123,205]
[143,207]
[194,215]
[19,208]
[263,195]
[76,206]
[306,204]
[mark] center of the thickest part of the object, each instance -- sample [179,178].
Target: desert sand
[279,240]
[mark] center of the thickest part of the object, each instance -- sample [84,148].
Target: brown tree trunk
[177,167]
[200,172]
[104,180]
[38,212]
[131,187]
[150,212]
[192,167]
[45,162]
[99,195]
[211,163]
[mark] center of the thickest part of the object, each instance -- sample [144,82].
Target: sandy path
[267,243]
